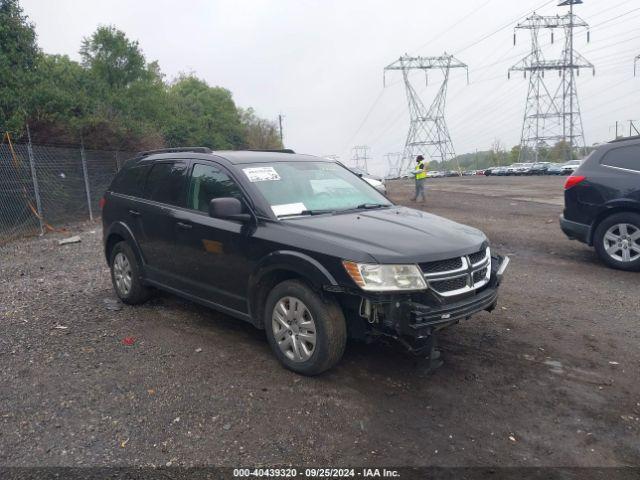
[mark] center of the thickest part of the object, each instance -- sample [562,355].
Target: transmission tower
[428,134]
[394,162]
[552,112]
[360,156]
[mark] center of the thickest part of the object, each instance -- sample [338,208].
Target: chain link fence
[43,187]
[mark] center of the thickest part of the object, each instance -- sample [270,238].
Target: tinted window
[624,157]
[131,181]
[208,182]
[165,183]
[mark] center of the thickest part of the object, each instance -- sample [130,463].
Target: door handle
[184,226]
[134,213]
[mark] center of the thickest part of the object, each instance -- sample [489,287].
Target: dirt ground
[551,378]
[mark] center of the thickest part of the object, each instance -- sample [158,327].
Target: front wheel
[307,333]
[617,241]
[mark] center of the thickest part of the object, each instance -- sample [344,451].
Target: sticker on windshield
[288,209]
[261,174]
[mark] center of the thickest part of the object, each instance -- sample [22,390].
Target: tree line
[114,98]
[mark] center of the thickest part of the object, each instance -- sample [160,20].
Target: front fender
[285,262]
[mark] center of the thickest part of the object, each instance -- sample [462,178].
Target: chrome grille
[442,265]
[458,275]
[477,257]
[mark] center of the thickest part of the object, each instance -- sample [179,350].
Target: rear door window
[131,181]
[623,157]
[208,182]
[165,183]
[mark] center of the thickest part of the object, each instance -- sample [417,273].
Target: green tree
[202,115]
[258,132]
[19,55]
[112,57]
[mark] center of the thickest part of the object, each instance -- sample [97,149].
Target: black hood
[393,235]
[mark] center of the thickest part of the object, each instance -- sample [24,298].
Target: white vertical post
[34,179]
[86,178]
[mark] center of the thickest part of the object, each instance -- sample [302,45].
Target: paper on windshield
[288,209]
[261,174]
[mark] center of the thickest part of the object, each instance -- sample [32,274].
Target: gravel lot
[551,378]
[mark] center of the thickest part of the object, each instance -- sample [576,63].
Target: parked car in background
[499,171]
[296,245]
[554,169]
[375,182]
[515,169]
[539,168]
[602,203]
[569,167]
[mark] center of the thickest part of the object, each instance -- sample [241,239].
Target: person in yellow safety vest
[420,173]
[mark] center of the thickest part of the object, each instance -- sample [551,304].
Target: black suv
[294,244]
[602,203]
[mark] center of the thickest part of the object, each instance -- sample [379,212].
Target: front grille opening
[477,257]
[442,265]
[479,275]
[450,284]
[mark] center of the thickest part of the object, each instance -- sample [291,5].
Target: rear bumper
[575,230]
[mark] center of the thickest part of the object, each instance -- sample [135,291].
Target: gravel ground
[548,379]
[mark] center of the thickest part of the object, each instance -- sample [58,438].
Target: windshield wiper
[369,206]
[309,212]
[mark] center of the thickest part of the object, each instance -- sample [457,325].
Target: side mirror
[228,208]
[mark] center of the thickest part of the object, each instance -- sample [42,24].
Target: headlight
[380,278]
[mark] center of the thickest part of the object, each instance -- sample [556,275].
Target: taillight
[102,203]
[573,180]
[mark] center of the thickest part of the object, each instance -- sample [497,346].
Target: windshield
[303,188]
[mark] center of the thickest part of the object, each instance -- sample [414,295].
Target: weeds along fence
[42,187]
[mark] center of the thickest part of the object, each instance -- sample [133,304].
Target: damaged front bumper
[412,319]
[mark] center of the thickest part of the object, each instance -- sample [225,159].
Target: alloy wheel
[122,273]
[294,329]
[622,242]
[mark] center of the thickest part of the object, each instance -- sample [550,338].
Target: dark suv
[602,203]
[294,244]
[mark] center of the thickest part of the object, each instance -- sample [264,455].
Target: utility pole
[360,157]
[552,112]
[280,117]
[635,64]
[428,133]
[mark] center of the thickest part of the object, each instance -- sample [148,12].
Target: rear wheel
[307,333]
[617,241]
[126,276]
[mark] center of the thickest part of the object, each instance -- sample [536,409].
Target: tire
[284,330]
[126,275]
[613,234]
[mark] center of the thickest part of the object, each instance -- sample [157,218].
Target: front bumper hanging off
[413,321]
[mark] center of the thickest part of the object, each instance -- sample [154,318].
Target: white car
[570,167]
[375,182]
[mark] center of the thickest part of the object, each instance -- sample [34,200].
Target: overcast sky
[320,62]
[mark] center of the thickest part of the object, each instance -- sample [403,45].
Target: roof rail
[624,139]
[277,150]
[173,150]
